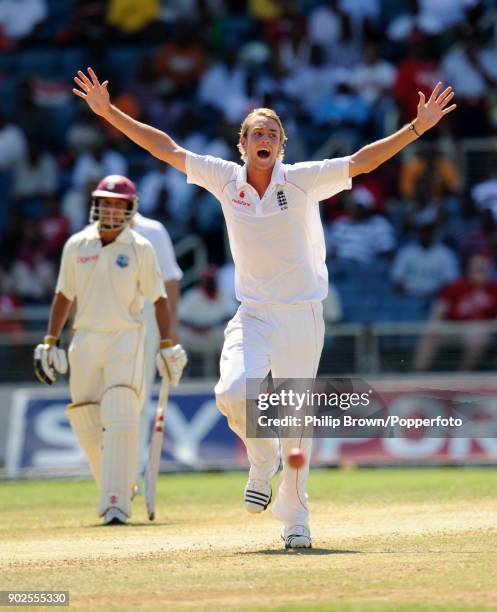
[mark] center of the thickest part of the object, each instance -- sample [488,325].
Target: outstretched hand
[92,91]
[430,113]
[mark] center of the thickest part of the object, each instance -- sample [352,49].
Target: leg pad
[87,426]
[120,409]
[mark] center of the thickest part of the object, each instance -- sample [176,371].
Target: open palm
[92,91]
[430,113]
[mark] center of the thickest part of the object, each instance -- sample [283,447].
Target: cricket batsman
[276,239]
[108,270]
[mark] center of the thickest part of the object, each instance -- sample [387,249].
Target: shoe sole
[115,521]
[288,543]
[290,547]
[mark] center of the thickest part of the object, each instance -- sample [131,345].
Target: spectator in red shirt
[418,72]
[33,275]
[471,300]
[9,303]
[54,229]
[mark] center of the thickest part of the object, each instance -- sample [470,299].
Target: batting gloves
[171,360]
[49,359]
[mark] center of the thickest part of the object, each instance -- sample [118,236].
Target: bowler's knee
[230,395]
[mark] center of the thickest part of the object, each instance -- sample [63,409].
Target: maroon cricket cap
[115,186]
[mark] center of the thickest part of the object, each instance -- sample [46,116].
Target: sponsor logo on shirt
[122,261]
[281,197]
[85,259]
[240,202]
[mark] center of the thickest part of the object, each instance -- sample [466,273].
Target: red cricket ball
[296,458]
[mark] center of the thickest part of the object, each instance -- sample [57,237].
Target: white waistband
[267,306]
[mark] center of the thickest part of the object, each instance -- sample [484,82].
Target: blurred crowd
[340,73]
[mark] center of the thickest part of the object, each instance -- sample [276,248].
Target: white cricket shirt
[109,282]
[277,242]
[159,238]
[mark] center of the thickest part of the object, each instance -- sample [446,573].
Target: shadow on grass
[300,551]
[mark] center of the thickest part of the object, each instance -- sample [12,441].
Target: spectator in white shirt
[84,133]
[470,66]
[361,9]
[446,12]
[165,194]
[99,162]
[484,193]
[19,18]
[229,77]
[402,26]
[13,145]
[332,306]
[75,204]
[35,174]
[373,79]
[305,84]
[430,17]
[362,237]
[421,268]
[324,23]
[337,31]
[473,71]
[203,313]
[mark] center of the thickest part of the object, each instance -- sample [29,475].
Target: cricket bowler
[107,270]
[276,239]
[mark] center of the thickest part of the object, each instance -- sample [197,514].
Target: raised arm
[158,143]
[429,114]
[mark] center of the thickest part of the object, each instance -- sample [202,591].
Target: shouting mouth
[263,153]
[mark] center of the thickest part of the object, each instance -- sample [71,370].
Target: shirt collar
[92,232]
[277,177]
[125,237]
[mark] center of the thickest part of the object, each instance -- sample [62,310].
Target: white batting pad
[87,426]
[120,410]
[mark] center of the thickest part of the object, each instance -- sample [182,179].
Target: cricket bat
[155,449]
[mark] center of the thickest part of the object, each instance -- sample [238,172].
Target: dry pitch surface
[383,540]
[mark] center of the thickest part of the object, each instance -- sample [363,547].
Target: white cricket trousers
[107,368]
[286,340]
[101,360]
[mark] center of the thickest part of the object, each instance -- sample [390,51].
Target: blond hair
[270,114]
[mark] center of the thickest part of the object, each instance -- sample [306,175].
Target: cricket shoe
[296,536]
[114,516]
[258,495]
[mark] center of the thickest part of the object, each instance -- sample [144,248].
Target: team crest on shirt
[281,197]
[122,261]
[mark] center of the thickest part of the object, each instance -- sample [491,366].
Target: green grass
[393,540]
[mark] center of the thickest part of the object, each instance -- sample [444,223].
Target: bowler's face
[263,142]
